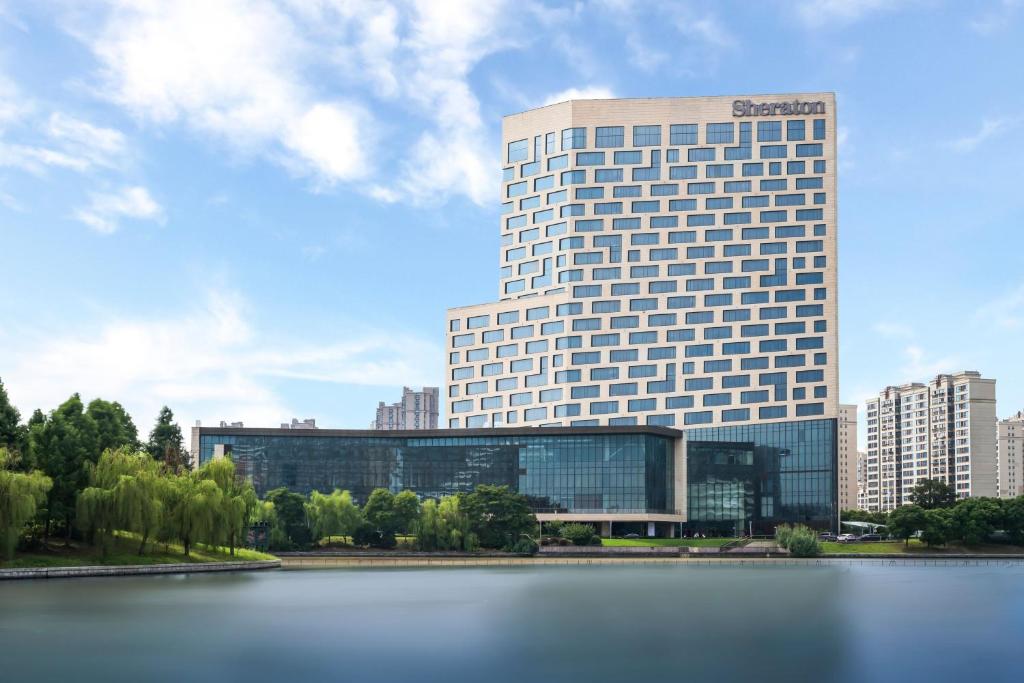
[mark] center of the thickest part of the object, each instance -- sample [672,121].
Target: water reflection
[847,623]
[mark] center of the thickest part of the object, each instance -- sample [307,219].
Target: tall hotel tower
[669,262]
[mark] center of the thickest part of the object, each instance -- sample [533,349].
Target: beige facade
[847,447]
[664,261]
[1010,447]
[416,410]
[941,430]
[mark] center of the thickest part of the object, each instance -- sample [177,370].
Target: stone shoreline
[136,570]
[304,562]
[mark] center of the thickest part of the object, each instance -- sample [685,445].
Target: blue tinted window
[574,138]
[719,133]
[518,150]
[701,154]
[683,134]
[610,136]
[646,136]
[769,131]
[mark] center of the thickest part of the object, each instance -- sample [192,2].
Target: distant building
[308,423]
[942,430]
[862,479]
[231,424]
[416,410]
[1010,449]
[847,456]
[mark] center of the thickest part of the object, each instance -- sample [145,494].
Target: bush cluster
[799,540]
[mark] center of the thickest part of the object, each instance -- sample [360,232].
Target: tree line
[52,458]
[938,517]
[491,517]
[81,472]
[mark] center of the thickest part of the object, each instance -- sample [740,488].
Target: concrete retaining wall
[136,570]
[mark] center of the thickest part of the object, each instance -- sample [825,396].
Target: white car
[846,538]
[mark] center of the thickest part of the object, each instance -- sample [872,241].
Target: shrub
[578,534]
[524,546]
[799,540]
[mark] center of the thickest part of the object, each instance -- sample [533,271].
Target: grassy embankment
[123,550]
[916,547]
[664,542]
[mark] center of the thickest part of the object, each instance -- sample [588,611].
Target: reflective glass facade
[600,471]
[755,477]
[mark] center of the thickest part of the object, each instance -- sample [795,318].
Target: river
[841,622]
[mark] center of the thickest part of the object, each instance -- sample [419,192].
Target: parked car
[870,537]
[846,538]
[827,536]
[632,536]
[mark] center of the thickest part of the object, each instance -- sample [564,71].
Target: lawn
[664,542]
[124,550]
[917,547]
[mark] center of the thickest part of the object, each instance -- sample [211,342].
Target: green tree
[929,494]
[579,534]
[1013,519]
[166,443]
[442,525]
[937,526]
[21,494]
[406,510]
[975,519]
[194,506]
[381,516]
[12,433]
[114,426]
[332,515]
[238,501]
[905,521]
[498,516]
[290,510]
[63,446]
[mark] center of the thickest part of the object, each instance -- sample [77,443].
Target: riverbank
[136,570]
[122,551]
[310,562]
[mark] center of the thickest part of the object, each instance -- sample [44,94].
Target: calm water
[632,623]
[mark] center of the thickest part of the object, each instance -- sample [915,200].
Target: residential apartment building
[416,410]
[941,430]
[668,262]
[848,461]
[862,479]
[1010,448]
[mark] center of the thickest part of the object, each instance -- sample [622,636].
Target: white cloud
[105,210]
[230,68]
[919,366]
[1005,312]
[989,128]
[893,329]
[209,363]
[819,13]
[997,18]
[94,145]
[590,92]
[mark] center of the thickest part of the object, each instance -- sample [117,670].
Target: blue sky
[252,211]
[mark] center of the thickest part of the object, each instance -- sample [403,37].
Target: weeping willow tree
[125,492]
[21,494]
[238,502]
[193,507]
[332,515]
[444,526]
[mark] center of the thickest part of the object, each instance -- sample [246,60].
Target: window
[718,171]
[700,154]
[626,191]
[773,152]
[809,150]
[589,158]
[594,193]
[608,175]
[517,150]
[646,136]
[683,134]
[719,133]
[769,131]
[795,129]
[819,130]
[631,157]
[610,136]
[574,138]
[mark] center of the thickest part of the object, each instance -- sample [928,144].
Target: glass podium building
[649,480]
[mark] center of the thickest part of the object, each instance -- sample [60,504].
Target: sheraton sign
[794,108]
